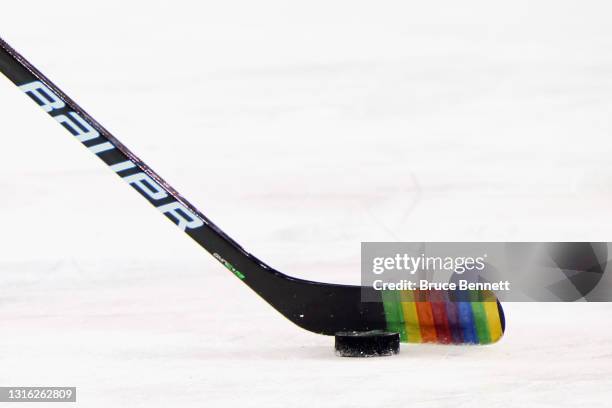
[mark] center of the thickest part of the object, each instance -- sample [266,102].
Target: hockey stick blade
[322,308]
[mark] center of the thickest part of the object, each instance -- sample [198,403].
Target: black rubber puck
[373,343]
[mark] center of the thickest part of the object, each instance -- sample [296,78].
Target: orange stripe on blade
[426,319]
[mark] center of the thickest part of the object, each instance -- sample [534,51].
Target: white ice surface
[301,129]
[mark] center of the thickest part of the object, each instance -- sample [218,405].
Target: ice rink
[300,129]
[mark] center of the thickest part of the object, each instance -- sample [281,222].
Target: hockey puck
[374,343]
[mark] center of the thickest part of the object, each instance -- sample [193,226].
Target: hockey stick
[318,307]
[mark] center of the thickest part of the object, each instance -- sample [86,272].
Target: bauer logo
[127,169]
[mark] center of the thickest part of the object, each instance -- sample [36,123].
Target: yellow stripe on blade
[411,318]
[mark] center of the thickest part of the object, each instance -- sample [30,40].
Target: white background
[301,129]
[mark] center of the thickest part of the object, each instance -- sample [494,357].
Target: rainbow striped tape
[431,317]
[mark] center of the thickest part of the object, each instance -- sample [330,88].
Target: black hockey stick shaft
[320,307]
